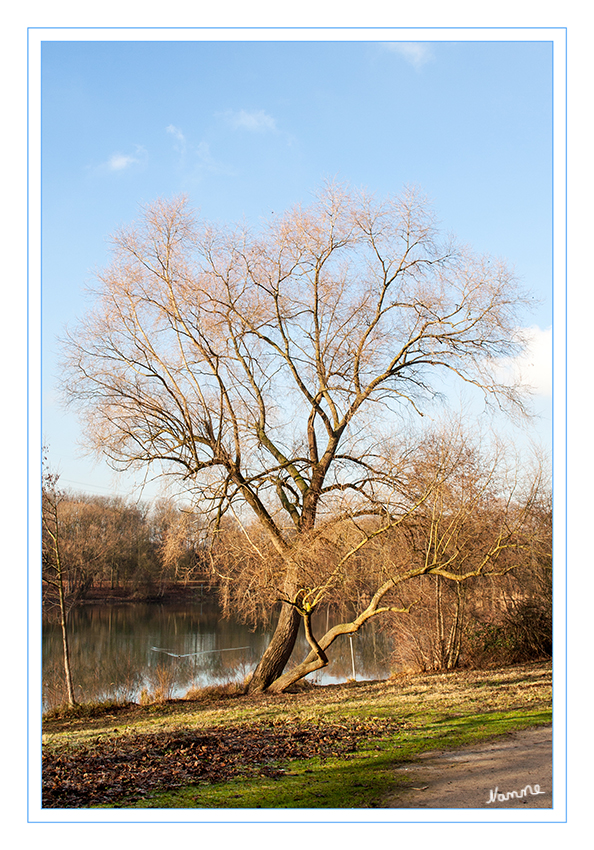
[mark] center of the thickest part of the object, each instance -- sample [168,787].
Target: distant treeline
[111,548]
[112,544]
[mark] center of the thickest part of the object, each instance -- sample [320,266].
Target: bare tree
[265,369]
[469,516]
[53,567]
[486,522]
[179,538]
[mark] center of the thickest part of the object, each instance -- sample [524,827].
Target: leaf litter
[133,767]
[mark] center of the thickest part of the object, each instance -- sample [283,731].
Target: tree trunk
[65,646]
[439,652]
[51,525]
[317,658]
[455,639]
[279,650]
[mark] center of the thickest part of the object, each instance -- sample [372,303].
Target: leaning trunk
[65,646]
[439,653]
[317,658]
[455,639]
[279,650]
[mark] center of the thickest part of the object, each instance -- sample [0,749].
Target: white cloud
[180,139]
[119,161]
[198,158]
[417,53]
[179,143]
[206,163]
[206,159]
[255,122]
[534,367]
[175,131]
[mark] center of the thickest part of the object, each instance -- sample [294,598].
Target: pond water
[119,650]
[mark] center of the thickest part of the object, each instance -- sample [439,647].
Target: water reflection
[119,650]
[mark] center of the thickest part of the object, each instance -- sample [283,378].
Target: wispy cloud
[533,367]
[178,136]
[195,159]
[257,121]
[180,143]
[120,161]
[175,131]
[416,53]
[207,162]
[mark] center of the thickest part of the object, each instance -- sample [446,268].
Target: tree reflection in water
[113,655]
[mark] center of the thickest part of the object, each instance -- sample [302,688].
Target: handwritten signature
[496,797]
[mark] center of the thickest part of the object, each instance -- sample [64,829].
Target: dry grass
[422,698]
[212,693]
[413,713]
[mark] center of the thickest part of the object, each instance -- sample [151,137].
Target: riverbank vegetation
[318,747]
[278,378]
[111,550]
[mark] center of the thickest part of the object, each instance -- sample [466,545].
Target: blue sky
[248,128]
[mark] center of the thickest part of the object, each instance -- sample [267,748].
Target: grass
[438,711]
[359,782]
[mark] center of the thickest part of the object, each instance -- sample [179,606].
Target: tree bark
[65,646]
[455,638]
[51,552]
[439,652]
[279,650]
[316,659]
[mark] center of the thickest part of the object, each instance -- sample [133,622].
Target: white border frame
[558,37]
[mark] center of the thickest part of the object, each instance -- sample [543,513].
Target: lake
[119,650]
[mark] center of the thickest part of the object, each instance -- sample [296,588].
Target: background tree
[451,620]
[469,518]
[180,538]
[111,542]
[53,565]
[264,369]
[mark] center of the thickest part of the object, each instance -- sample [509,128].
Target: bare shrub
[214,692]
[161,684]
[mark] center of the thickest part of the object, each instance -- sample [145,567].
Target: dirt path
[469,777]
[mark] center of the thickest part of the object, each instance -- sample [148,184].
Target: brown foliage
[268,371]
[136,766]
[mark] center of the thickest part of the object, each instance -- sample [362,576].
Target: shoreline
[192,592]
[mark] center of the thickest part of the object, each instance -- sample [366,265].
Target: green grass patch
[427,712]
[359,780]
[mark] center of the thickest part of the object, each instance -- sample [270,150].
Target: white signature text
[495,797]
